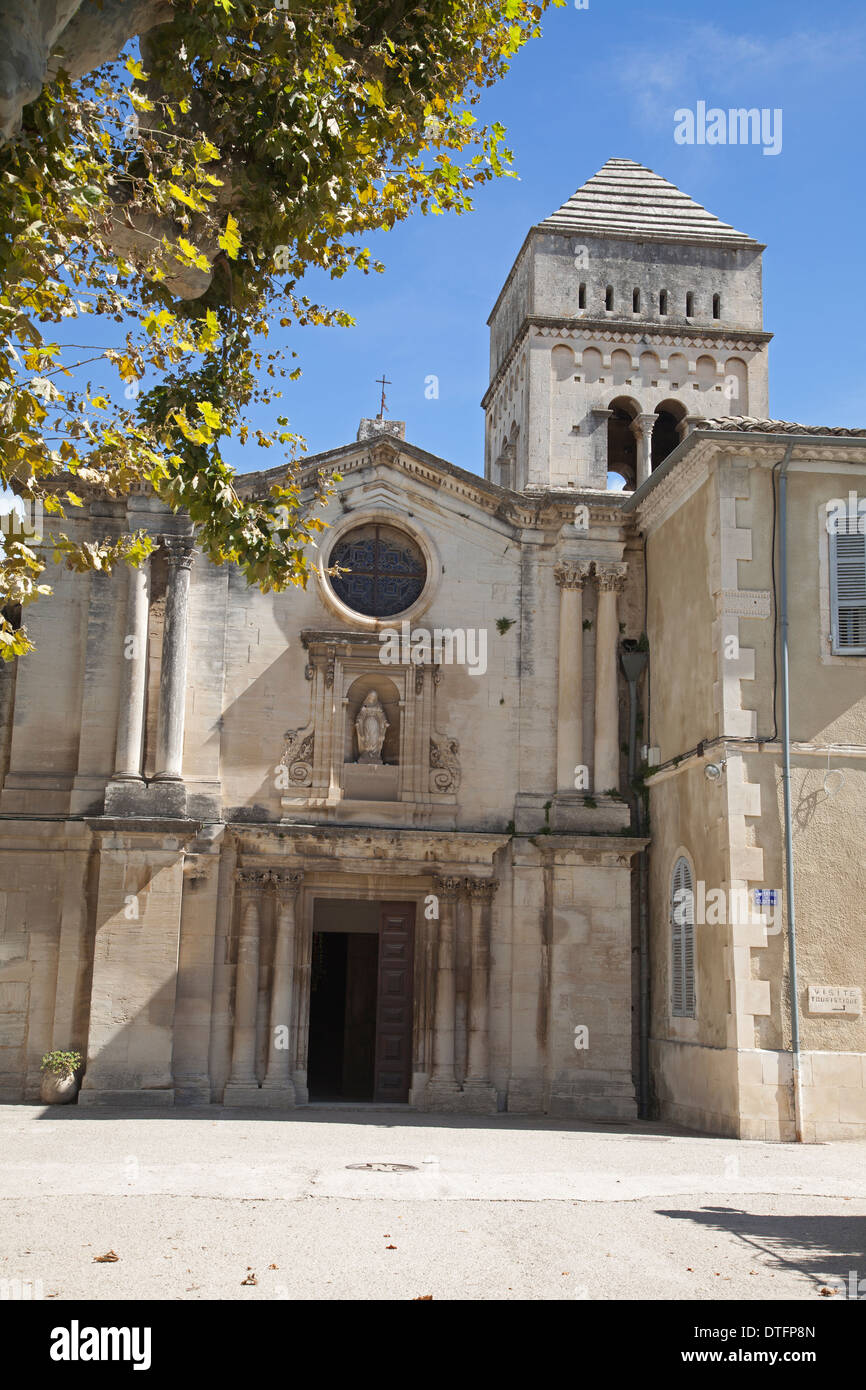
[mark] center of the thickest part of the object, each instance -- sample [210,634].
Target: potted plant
[60,1077]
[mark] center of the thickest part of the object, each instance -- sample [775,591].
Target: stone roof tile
[627,199]
[751,423]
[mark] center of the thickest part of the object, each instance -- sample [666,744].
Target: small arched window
[608,297]
[663,301]
[717,306]
[682,940]
[635,301]
[581,297]
[690,305]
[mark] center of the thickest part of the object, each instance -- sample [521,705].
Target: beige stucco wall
[742,979]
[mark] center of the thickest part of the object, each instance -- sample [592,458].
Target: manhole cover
[384,1167]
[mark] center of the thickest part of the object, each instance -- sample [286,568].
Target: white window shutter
[848,584]
[682,941]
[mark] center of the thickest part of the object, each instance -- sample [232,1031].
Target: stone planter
[58,1088]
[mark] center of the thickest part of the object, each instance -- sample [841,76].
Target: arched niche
[649,368]
[705,369]
[591,364]
[678,369]
[562,362]
[389,698]
[737,386]
[620,362]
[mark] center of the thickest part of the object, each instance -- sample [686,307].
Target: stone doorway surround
[279,875]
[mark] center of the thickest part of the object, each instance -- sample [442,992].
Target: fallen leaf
[390,1247]
[250,1279]
[273,1266]
[827,1293]
[109,1258]
[423,1298]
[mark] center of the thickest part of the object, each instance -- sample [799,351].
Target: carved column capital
[444,886]
[179,551]
[251,882]
[642,425]
[480,889]
[572,574]
[611,577]
[287,883]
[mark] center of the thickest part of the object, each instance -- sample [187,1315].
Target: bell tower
[629,314]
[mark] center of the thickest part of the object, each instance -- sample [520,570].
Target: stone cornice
[350,849]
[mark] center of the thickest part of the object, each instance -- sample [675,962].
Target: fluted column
[278,1079]
[610,579]
[642,429]
[571,576]
[480,892]
[133,679]
[172,681]
[251,884]
[442,1074]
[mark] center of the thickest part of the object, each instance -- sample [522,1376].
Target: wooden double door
[394,998]
[362,1006]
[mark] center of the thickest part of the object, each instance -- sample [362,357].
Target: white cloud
[707,56]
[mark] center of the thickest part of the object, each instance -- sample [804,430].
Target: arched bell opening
[666,430]
[621,442]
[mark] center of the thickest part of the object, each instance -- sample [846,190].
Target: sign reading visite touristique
[835,999]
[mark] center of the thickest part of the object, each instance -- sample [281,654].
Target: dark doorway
[360,1040]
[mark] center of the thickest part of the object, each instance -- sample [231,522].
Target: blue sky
[606,81]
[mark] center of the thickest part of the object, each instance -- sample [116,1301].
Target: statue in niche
[371,727]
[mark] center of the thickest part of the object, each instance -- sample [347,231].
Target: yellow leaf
[229,239]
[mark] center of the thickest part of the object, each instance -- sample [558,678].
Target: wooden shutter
[682,941]
[848,584]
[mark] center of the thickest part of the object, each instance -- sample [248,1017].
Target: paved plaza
[200,1204]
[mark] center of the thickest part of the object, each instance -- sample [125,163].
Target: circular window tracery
[383,570]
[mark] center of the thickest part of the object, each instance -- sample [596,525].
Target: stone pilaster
[443,1084]
[172,682]
[610,578]
[195,975]
[571,576]
[480,891]
[133,988]
[278,1084]
[243,1087]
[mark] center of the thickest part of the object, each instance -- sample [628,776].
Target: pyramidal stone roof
[624,199]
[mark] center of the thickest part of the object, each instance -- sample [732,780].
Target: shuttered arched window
[848,582]
[682,940]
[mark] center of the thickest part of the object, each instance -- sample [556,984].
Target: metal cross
[383,382]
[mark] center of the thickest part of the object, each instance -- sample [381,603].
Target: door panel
[394,1005]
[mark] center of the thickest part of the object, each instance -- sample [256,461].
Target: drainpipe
[786,791]
[633,664]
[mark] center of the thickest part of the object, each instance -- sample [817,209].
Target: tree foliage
[183,193]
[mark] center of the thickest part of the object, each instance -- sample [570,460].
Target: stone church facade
[415,834]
